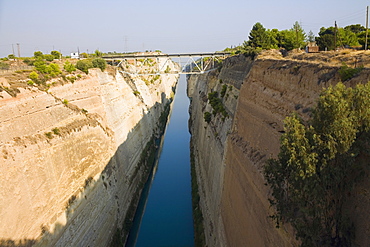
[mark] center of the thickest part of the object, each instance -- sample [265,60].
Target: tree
[49,57]
[257,36]
[33,76]
[56,54]
[38,55]
[318,165]
[99,63]
[300,36]
[69,67]
[98,53]
[84,65]
[311,36]
[11,56]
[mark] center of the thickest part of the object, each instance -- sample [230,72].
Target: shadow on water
[119,184]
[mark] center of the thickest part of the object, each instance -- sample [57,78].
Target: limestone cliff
[73,158]
[229,153]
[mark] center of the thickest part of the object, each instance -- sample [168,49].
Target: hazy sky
[170,26]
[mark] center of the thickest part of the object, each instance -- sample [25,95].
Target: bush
[69,67]
[84,65]
[33,76]
[347,73]
[99,63]
[4,65]
[38,55]
[56,54]
[207,117]
[49,57]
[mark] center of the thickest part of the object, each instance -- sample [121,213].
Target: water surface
[167,218]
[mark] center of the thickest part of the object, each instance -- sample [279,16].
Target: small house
[312,47]
[75,55]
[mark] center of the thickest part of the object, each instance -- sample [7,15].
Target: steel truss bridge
[158,64]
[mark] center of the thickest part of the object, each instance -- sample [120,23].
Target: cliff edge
[229,152]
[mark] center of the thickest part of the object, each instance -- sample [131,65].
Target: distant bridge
[158,63]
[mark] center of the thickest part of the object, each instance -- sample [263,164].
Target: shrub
[69,67]
[223,90]
[99,63]
[207,117]
[49,57]
[11,56]
[65,101]
[56,54]
[84,65]
[33,76]
[347,73]
[56,131]
[4,65]
[49,135]
[38,55]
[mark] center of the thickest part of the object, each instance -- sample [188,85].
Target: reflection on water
[166,202]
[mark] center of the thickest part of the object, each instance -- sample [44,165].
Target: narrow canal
[164,216]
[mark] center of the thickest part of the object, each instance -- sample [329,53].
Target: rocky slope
[229,153]
[73,159]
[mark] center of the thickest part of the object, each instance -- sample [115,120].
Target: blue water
[167,218]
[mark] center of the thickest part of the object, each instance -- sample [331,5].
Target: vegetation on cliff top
[329,38]
[319,164]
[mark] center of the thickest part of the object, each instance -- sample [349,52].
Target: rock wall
[229,155]
[71,163]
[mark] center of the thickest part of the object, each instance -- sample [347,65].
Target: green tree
[69,67]
[257,36]
[318,165]
[84,65]
[38,55]
[299,36]
[56,54]
[311,36]
[99,63]
[49,57]
[33,76]
[11,56]
[98,53]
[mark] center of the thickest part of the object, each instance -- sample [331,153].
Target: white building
[75,55]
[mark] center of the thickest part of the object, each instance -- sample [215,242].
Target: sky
[171,26]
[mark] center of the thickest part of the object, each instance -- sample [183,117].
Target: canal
[164,216]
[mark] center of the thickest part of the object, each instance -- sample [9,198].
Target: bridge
[159,63]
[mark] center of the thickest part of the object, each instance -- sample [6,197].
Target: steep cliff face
[229,155]
[73,159]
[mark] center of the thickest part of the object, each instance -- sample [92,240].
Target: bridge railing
[158,63]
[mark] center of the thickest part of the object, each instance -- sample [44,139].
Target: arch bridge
[159,63]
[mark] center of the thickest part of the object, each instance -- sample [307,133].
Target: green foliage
[344,37]
[207,117]
[98,53]
[65,101]
[49,135]
[318,165]
[56,131]
[49,57]
[216,104]
[11,56]
[84,65]
[99,63]
[56,54]
[136,93]
[347,73]
[223,90]
[69,67]
[33,76]
[4,65]
[38,55]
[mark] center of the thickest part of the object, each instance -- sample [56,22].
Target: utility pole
[335,35]
[367,26]
[19,50]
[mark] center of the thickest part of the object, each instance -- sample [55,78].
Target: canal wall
[230,144]
[74,158]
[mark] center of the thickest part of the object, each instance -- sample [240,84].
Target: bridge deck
[176,55]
